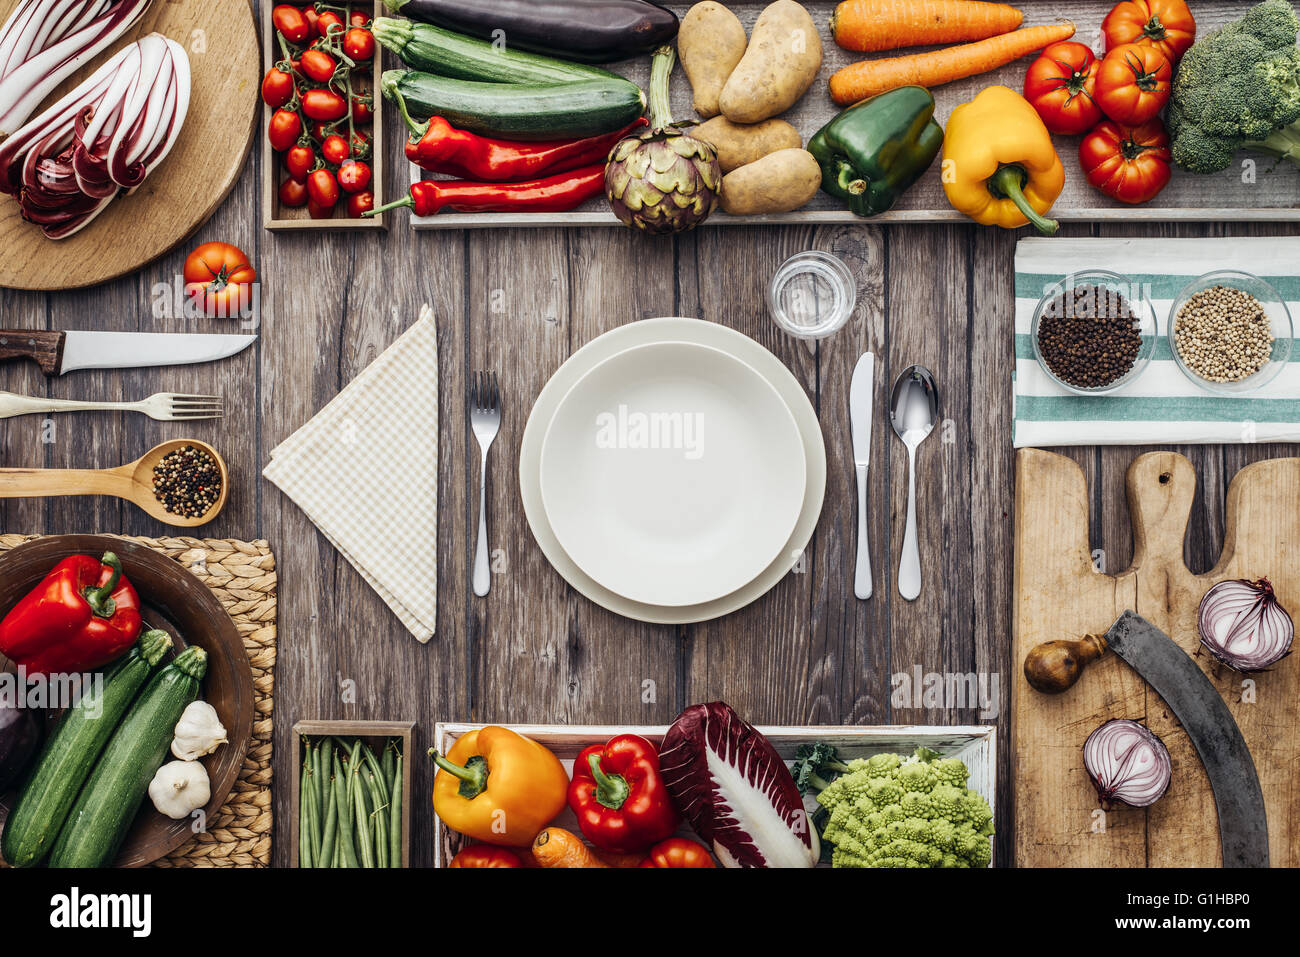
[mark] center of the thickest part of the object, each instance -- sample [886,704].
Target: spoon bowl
[132,481]
[913,412]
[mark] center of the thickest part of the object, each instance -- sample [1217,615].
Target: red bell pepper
[619,795]
[555,194]
[444,149]
[82,615]
[678,852]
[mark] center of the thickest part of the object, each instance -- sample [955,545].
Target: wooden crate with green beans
[351,803]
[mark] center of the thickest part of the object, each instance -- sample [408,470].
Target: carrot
[556,847]
[869,25]
[870,77]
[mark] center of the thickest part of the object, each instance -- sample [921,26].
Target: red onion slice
[1127,763]
[1243,625]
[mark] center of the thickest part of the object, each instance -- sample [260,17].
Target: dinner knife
[60,352]
[1055,666]
[860,402]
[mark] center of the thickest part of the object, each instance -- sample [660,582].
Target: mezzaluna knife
[861,394]
[60,352]
[1055,666]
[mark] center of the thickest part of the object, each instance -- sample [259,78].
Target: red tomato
[359,203]
[1166,25]
[1127,163]
[318,65]
[359,44]
[316,211]
[334,149]
[678,852]
[1133,83]
[329,22]
[485,855]
[277,88]
[323,188]
[293,193]
[354,176]
[359,18]
[319,131]
[362,109]
[292,23]
[220,278]
[360,144]
[324,105]
[285,128]
[312,17]
[300,161]
[1060,86]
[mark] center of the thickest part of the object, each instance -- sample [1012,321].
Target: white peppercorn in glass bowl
[1275,308]
[1144,320]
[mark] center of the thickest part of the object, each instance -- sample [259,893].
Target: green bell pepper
[872,152]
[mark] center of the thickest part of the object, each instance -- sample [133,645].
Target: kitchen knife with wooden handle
[60,352]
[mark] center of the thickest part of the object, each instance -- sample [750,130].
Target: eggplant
[20,736]
[588,31]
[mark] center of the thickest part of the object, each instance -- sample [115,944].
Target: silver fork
[485,420]
[163,407]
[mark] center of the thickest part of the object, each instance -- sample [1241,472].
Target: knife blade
[861,396]
[61,352]
[1197,704]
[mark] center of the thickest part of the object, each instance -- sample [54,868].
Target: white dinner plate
[673,473]
[660,330]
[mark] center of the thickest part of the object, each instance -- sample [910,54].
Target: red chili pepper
[452,152]
[619,795]
[82,615]
[678,852]
[555,194]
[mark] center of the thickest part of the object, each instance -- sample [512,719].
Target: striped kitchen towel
[1163,406]
[365,471]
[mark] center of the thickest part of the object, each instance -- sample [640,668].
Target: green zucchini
[107,805]
[423,46]
[535,111]
[69,754]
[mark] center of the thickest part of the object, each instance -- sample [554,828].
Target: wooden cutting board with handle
[181,193]
[1059,594]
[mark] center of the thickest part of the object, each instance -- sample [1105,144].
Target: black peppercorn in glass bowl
[1279,320]
[1094,332]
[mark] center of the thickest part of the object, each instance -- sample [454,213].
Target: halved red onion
[1243,625]
[1128,764]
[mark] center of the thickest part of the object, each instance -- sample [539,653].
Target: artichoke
[663,180]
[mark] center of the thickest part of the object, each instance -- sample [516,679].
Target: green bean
[314,819]
[328,847]
[395,816]
[365,842]
[377,771]
[387,763]
[324,749]
[304,810]
[343,797]
[378,820]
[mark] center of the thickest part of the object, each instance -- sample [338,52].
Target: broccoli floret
[891,811]
[1239,87]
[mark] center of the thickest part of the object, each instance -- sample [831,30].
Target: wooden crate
[373,733]
[1272,196]
[273,173]
[974,744]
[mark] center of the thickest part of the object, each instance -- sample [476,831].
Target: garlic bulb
[180,788]
[198,732]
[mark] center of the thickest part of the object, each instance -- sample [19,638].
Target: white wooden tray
[1269,195]
[974,744]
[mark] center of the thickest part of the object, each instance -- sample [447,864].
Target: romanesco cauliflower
[891,811]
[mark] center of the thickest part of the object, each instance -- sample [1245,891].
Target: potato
[710,43]
[739,145]
[778,183]
[784,55]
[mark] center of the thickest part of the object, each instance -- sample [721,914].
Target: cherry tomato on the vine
[285,128]
[323,188]
[354,176]
[317,211]
[359,44]
[293,193]
[359,203]
[358,18]
[277,88]
[324,105]
[334,149]
[362,110]
[318,65]
[312,17]
[300,161]
[328,23]
[291,22]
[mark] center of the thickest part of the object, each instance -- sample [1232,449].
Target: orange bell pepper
[498,787]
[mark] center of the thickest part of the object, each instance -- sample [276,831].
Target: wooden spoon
[133,482]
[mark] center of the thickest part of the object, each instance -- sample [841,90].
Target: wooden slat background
[520,302]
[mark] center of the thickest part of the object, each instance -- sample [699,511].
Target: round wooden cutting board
[220,37]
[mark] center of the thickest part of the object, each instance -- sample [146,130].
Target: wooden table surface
[519,302]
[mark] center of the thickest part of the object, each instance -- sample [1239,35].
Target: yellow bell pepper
[498,787]
[999,167]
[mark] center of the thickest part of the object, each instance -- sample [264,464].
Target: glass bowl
[1145,321]
[1279,317]
[812,295]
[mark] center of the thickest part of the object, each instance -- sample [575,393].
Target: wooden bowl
[174,600]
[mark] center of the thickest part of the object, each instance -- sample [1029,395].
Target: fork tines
[484,395]
[197,406]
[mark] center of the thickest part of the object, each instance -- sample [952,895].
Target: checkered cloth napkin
[365,470]
[1162,406]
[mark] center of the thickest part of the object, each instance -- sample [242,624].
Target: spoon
[133,482]
[913,410]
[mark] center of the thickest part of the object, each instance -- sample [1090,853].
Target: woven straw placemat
[242,576]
